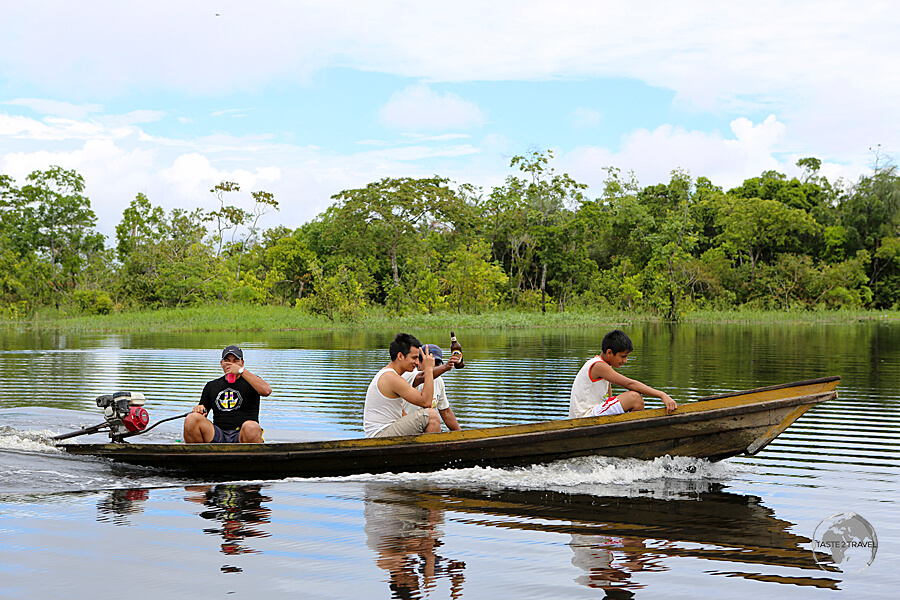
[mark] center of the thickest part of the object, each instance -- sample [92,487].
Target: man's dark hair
[402,343]
[617,341]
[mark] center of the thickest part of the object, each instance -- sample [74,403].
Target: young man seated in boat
[592,388]
[440,402]
[234,400]
[383,413]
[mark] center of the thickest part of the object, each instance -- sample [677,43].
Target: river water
[73,527]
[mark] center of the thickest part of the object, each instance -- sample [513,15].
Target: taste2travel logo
[846,541]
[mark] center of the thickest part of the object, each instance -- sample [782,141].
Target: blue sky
[308,98]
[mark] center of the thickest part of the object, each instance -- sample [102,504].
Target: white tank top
[380,411]
[587,393]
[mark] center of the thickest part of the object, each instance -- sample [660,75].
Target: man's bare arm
[259,384]
[438,371]
[616,378]
[449,419]
[256,382]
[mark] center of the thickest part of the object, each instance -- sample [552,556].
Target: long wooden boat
[715,427]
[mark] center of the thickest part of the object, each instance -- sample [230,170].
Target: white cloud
[444,137]
[57,107]
[15,126]
[58,129]
[230,112]
[113,175]
[51,128]
[727,162]
[704,50]
[419,108]
[826,67]
[193,175]
[135,117]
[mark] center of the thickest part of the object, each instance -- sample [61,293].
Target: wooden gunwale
[781,386]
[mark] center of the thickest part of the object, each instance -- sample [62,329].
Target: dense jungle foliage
[430,245]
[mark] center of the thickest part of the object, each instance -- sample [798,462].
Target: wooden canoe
[715,427]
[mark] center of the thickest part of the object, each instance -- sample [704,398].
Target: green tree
[165,260]
[793,193]
[338,296]
[59,223]
[422,276]
[228,217]
[473,283]
[545,199]
[672,240]
[263,203]
[870,214]
[142,227]
[290,257]
[398,209]
[753,226]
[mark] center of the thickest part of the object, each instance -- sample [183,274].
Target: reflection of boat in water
[405,534]
[120,503]
[716,427]
[239,510]
[614,537]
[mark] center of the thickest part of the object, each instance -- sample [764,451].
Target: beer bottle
[456,350]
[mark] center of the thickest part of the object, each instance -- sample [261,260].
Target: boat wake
[666,477]
[31,464]
[27,441]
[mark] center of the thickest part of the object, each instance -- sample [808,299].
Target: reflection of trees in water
[239,508]
[118,504]
[403,529]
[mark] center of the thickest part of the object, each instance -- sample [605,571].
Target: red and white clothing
[591,397]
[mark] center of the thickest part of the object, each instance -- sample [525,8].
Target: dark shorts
[226,437]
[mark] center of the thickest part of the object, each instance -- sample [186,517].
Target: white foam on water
[577,474]
[27,441]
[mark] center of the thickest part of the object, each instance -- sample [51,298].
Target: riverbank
[276,318]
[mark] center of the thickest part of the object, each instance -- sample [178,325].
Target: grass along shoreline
[276,318]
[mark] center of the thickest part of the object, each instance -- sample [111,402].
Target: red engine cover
[137,419]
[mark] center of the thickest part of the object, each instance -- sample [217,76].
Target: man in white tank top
[591,392]
[383,412]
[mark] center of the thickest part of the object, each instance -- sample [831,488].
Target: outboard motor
[125,413]
[125,416]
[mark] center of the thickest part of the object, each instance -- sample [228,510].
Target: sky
[305,99]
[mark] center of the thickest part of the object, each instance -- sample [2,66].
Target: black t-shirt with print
[231,403]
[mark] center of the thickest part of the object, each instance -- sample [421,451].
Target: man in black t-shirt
[234,400]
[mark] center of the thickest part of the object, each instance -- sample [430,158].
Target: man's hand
[200,409]
[232,367]
[670,404]
[454,358]
[427,360]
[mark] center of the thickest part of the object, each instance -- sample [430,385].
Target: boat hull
[716,427]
